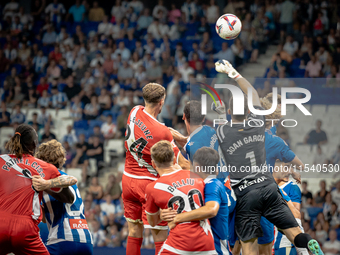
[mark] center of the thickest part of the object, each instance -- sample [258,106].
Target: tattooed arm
[63,181]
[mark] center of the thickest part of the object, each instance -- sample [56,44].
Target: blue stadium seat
[93,123]
[81,124]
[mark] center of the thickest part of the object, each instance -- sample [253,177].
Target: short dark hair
[192,112]
[206,157]
[239,117]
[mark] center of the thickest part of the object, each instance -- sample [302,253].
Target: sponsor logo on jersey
[247,184]
[78,224]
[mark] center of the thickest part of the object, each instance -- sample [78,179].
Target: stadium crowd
[94,63]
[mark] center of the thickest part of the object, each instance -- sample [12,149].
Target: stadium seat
[63,114]
[81,124]
[75,172]
[5,134]
[318,110]
[113,148]
[92,166]
[333,110]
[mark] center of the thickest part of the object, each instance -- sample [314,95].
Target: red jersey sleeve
[174,146]
[150,205]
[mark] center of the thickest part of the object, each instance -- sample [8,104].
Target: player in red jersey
[183,191]
[143,131]
[20,211]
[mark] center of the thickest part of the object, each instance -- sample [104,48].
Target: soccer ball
[228,26]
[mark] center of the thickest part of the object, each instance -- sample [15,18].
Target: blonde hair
[162,153]
[52,152]
[267,104]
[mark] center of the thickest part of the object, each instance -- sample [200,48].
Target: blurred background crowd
[75,70]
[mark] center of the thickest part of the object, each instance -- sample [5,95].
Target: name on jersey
[182,183]
[142,127]
[247,184]
[14,161]
[78,224]
[245,140]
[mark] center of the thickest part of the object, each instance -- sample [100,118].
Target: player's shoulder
[214,183]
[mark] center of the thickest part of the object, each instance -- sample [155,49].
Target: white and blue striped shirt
[66,222]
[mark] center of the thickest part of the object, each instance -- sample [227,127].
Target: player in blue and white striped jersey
[66,222]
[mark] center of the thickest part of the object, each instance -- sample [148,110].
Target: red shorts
[134,201]
[20,235]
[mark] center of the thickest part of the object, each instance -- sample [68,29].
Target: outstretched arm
[178,137]
[223,66]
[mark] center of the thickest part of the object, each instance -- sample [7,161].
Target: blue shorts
[268,231]
[232,238]
[286,251]
[70,248]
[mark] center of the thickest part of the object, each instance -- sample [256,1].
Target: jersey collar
[196,131]
[284,185]
[209,178]
[151,116]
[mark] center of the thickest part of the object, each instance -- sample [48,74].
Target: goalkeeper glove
[219,109]
[223,66]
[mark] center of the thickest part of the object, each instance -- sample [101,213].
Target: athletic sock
[158,246]
[301,240]
[133,245]
[301,251]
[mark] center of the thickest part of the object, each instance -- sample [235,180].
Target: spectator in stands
[71,90]
[333,217]
[58,99]
[91,109]
[31,98]
[44,117]
[43,85]
[238,51]
[125,72]
[39,62]
[70,137]
[5,116]
[44,100]
[108,207]
[55,10]
[47,135]
[148,242]
[113,237]
[77,11]
[291,46]
[305,193]
[35,120]
[17,115]
[97,132]
[320,196]
[157,29]
[113,187]
[53,71]
[316,136]
[169,107]
[96,13]
[206,44]
[50,37]
[327,206]
[122,120]
[203,26]
[154,72]
[321,234]
[4,62]
[95,189]
[96,151]
[185,71]
[159,7]
[331,247]
[80,159]
[313,68]
[336,194]
[320,157]
[10,9]
[287,10]
[108,129]
[98,235]
[213,12]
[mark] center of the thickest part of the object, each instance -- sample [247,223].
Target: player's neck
[153,111]
[194,127]
[166,170]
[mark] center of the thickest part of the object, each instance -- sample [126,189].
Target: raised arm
[178,137]
[223,66]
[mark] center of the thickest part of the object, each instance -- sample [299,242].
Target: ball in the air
[228,26]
